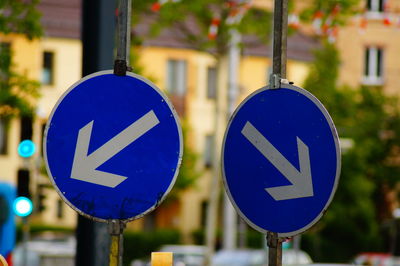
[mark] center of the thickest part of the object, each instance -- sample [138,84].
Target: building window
[375,5]
[48,68]
[5,60]
[60,208]
[208,151]
[373,66]
[176,77]
[211,82]
[3,137]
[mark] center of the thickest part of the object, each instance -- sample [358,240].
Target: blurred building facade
[189,77]
[369,47]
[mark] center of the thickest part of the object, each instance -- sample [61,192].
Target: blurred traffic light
[23,181]
[26,128]
[7,220]
[26,148]
[22,206]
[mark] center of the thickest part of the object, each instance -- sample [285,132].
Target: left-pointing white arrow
[302,185]
[84,165]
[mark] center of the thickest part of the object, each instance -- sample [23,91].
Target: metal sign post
[116,227]
[279,42]
[124,37]
[278,72]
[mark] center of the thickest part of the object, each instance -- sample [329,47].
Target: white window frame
[375,11]
[373,66]
[48,75]
[212,82]
[176,77]
[209,141]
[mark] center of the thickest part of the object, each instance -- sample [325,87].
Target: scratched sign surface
[113,146]
[281,160]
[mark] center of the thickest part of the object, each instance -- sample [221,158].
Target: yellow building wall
[28,60]
[25,60]
[67,71]
[352,42]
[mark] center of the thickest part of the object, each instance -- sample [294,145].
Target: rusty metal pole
[116,230]
[116,227]
[124,37]
[279,43]
[278,73]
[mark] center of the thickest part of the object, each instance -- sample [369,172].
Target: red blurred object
[213,30]
[156,7]
[363,23]
[374,258]
[387,22]
[9,259]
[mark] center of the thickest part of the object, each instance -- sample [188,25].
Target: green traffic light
[26,148]
[22,206]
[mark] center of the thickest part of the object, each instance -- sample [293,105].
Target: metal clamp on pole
[116,230]
[124,38]
[275,81]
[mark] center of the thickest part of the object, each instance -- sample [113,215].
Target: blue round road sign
[281,160]
[113,146]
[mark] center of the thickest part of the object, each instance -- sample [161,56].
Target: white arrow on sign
[84,165]
[301,180]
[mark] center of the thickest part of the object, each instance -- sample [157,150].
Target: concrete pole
[230,216]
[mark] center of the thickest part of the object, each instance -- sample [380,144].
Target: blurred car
[186,255]
[43,252]
[255,257]
[239,257]
[183,255]
[330,264]
[295,257]
[376,259]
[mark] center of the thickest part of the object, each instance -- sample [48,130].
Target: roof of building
[63,19]
[300,46]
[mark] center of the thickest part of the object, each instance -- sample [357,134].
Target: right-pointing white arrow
[301,180]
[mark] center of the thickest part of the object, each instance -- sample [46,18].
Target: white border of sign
[176,117]
[338,159]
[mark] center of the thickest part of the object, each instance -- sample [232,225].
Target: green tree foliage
[17,92]
[371,120]
[20,17]
[334,12]
[193,19]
